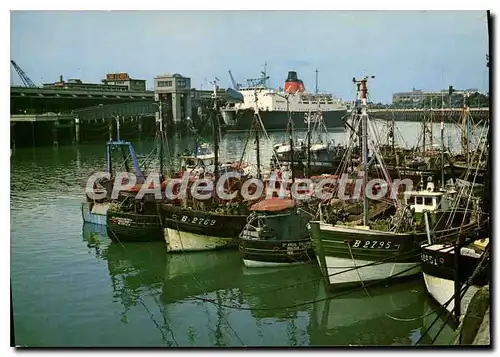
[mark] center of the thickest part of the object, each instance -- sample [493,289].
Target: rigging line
[368,294]
[412,253]
[164,337]
[443,310]
[263,129]
[201,285]
[439,331]
[376,282]
[234,332]
[194,276]
[152,295]
[469,194]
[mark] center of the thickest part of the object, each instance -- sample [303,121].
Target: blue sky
[404,49]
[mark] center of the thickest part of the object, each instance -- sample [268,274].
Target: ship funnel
[293,84]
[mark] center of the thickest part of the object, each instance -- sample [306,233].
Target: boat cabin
[201,159]
[424,200]
[275,219]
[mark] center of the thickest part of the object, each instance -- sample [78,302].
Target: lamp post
[117,119]
[160,107]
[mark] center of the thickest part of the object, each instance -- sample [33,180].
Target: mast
[442,153]
[361,97]
[393,135]
[215,126]
[161,141]
[117,118]
[257,150]
[160,128]
[309,145]
[290,138]
[256,125]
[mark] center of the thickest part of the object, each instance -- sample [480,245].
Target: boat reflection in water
[385,315]
[212,299]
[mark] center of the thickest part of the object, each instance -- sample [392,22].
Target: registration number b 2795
[373,244]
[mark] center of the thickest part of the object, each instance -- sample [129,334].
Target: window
[428,201]
[164,83]
[418,200]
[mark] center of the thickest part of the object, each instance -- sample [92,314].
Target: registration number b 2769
[195,220]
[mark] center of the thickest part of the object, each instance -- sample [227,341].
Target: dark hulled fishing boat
[197,230]
[276,234]
[135,220]
[438,267]
[198,225]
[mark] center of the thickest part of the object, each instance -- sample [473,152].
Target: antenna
[264,74]
[317,80]
[215,87]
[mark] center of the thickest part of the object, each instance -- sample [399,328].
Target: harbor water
[72,286]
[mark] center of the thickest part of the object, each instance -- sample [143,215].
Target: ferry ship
[274,107]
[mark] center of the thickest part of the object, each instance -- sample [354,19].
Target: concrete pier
[474,327]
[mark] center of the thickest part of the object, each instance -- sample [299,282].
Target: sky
[427,50]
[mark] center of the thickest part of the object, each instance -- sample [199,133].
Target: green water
[72,286]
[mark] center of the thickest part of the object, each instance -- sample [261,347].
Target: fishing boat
[133,219]
[439,271]
[95,210]
[363,251]
[189,230]
[276,235]
[199,225]
[448,266]
[314,154]
[196,162]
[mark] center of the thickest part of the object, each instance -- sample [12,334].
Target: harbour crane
[236,86]
[26,80]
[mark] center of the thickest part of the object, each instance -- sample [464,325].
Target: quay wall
[474,327]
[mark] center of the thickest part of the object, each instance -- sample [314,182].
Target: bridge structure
[41,100]
[48,115]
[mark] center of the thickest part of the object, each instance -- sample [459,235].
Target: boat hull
[278,120]
[94,213]
[442,290]
[182,241]
[191,230]
[134,227]
[346,252]
[268,253]
[439,274]
[339,248]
